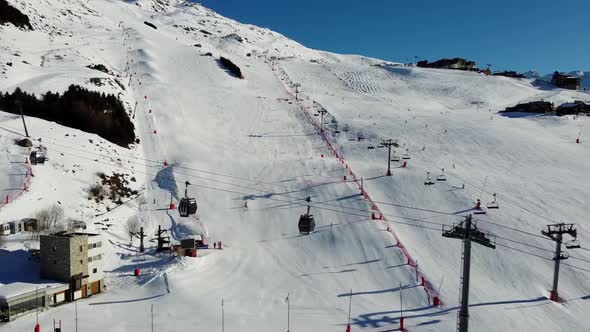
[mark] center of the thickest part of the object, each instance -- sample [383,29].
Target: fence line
[433,297]
[28,178]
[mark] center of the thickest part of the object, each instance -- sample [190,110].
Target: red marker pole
[349,307]
[401,308]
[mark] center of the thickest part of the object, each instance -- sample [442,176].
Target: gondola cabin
[306,224]
[37,157]
[187,206]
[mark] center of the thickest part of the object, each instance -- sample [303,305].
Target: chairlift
[346,128]
[406,156]
[442,177]
[479,209]
[316,114]
[380,146]
[370,147]
[306,222]
[360,136]
[428,181]
[573,244]
[493,204]
[187,206]
[336,131]
[394,157]
[352,139]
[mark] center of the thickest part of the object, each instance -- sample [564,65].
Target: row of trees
[49,220]
[78,108]
[52,219]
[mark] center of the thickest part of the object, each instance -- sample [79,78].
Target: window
[94,245]
[89,259]
[95,270]
[81,262]
[81,248]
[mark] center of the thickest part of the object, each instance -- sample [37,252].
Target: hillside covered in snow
[299,124]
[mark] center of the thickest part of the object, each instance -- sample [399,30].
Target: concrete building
[20,298]
[75,258]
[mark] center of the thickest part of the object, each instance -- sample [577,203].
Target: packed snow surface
[252,155]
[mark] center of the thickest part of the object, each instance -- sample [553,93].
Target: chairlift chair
[380,146]
[573,244]
[370,147]
[442,177]
[479,209]
[306,223]
[394,157]
[187,205]
[493,204]
[428,181]
[346,128]
[406,156]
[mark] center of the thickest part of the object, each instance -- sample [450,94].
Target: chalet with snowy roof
[565,81]
[456,63]
[542,107]
[576,107]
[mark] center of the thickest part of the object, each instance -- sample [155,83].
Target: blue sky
[544,35]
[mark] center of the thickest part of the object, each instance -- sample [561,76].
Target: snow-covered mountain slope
[248,140]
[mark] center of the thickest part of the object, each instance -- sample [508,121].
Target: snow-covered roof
[15,289]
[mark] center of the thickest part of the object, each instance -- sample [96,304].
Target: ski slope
[12,164]
[248,140]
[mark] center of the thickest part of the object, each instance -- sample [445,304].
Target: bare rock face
[9,14]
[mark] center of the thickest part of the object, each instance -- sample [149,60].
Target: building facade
[565,81]
[75,258]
